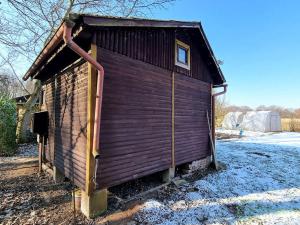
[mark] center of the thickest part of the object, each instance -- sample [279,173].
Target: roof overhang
[56,45]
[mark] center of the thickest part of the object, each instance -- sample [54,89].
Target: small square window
[182,53]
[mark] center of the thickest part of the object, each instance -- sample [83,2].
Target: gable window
[182,54]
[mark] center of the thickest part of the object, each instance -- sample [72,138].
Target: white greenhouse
[262,121]
[232,120]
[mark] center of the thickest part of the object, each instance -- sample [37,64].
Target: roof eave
[116,22]
[211,52]
[124,22]
[48,49]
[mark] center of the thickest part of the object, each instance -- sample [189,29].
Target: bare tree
[220,109]
[297,113]
[25,27]
[9,85]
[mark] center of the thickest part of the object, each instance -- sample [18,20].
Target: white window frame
[188,52]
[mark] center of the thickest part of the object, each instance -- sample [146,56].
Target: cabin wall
[135,121]
[192,103]
[65,99]
[157,47]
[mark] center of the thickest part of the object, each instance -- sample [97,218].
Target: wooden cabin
[157,91]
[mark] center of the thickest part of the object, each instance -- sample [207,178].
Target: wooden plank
[92,87]
[191,103]
[136,119]
[130,176]
[215,162]
[173,120]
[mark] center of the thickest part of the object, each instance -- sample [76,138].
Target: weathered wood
[191,129]
[157,47]
[66,102]
[215,162]
[92,86]
[135,126]
[173,120]
[151,119]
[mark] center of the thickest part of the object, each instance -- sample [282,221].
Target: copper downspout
[213,108]
[67,36]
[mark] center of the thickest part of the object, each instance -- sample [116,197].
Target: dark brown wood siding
[136,119]
[157,47]
[199,65]
[192,102]
[49,105]
[66,102]
[136,123]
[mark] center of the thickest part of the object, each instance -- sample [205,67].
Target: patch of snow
[261,185]
[245,133]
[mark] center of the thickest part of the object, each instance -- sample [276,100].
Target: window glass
[182,55]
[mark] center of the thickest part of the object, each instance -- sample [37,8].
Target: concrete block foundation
[58,176]
[168,175]
[95,204]
[200,164]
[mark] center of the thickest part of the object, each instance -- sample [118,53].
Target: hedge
[7,127]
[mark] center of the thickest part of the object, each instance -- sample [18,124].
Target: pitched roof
[108,21]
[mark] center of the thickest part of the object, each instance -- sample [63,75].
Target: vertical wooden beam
[213,122]
[40,154]
[173,120]
[92,86]
[169,174]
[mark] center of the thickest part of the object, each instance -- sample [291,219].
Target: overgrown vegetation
[290,124]
[7,126]
[220,110]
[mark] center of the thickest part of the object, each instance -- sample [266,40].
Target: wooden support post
[169,174]
[58,176]
[214,158]
[92,86]
[173,120]
[41,147]
[40,157]
[93,202]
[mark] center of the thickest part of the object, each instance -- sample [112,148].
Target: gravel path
[27,150]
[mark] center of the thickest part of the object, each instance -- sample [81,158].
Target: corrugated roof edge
[96,20]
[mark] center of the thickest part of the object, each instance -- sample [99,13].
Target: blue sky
[259,42]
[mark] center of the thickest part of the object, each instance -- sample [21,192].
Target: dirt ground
[30,198]
[259,184]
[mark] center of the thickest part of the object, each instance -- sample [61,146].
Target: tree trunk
[27,109]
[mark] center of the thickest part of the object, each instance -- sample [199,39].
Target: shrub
[290,124]
[7,127]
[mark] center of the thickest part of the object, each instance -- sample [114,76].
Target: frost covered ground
[261,185]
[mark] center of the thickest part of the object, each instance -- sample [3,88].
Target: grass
[289,124]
